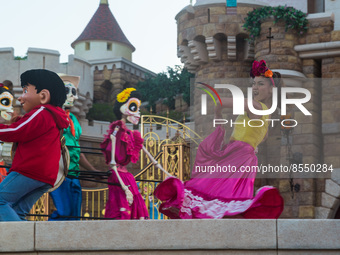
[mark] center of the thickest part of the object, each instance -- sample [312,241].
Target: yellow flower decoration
[124,95]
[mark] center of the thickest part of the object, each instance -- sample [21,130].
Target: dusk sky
[149,25]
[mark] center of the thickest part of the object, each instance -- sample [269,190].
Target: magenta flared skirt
[222,185]
[117,205]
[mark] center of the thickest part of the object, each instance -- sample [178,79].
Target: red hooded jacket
[37,134]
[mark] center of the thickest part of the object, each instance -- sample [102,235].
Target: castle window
[87,45]
[109,46]
[242,47]
[315,6]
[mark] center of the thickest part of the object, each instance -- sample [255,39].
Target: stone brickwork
[214,46]
[282,54]
[109,80]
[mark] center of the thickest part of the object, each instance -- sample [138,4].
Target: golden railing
[94,202]
[40,207]
[171,151]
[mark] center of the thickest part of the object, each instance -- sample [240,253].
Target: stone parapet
[227,236]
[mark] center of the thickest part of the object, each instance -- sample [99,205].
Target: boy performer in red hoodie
[37,134]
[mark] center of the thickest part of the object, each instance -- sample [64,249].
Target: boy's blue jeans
[18,194]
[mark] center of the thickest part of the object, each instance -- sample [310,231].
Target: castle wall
[212,44]
[334,7]
[44,59]
[100,80]
[81,67]
[300,5]
[37,58]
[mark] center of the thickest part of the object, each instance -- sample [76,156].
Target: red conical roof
[103,26]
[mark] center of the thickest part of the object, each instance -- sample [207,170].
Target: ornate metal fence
[171,151]
[94,201]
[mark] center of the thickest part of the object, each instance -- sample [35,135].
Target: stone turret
[211,42]
[104,45]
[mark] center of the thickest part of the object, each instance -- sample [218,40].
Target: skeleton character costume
[6,108]
[127,148]
[67,198]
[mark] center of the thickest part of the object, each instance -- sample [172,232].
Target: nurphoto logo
[238,103]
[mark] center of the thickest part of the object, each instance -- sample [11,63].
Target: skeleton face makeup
[71,93]
[131,110]
[6,100]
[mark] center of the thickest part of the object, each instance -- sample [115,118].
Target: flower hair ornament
[261,69]
[124,95]
[3,86]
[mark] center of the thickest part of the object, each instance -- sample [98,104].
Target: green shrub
[102,112]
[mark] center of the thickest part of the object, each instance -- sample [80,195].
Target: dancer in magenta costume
[228,194]
[128,145]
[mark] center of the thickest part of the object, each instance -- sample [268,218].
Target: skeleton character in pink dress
[124,202]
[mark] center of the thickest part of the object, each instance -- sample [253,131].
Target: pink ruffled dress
[128,145]
[228,193]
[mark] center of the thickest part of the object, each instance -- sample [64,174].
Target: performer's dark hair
[278,84]
[45,79]
[277,79]
[117,105]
